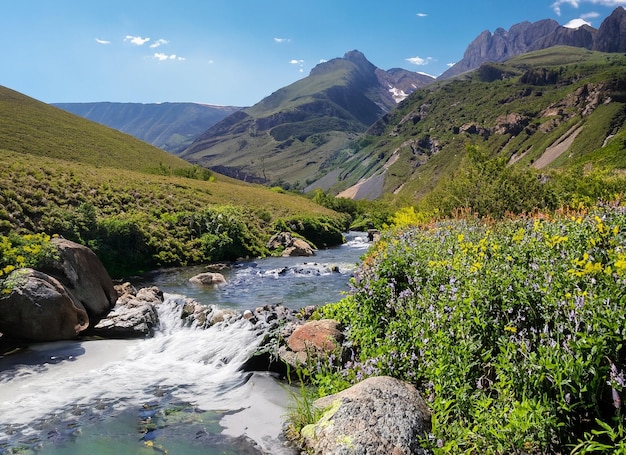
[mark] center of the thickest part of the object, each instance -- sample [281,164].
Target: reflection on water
[181,391]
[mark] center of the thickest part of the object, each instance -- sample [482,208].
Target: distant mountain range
[169,126]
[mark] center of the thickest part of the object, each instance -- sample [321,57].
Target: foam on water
[192,363]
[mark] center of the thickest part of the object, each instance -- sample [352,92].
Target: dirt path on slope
[558,148]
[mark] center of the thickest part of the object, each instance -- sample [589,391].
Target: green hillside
[555,109]
[30,126]
[61,174]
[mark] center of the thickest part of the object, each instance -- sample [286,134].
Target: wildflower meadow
[513,331]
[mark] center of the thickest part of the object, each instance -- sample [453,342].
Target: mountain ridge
[528,37]
[521,109]
[169,126]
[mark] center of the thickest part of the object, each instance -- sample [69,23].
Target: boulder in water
[39,308]
[208,279]
[299,247]
[380,415]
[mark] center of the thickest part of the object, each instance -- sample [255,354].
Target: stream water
[179,392]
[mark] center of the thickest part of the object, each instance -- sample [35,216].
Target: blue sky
[236,52]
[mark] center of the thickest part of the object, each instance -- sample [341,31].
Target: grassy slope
[300,92]
[451,104]
[30,126]
[101,155]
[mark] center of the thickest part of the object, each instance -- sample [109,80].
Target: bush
[19,251]
[514,331]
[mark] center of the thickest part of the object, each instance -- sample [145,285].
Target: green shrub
[489,187]
[20,251]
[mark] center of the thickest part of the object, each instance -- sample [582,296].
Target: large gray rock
[39,308]
[134,316]
[380,415]
[84,276]
[292,246]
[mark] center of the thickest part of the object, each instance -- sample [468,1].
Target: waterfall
[57,381]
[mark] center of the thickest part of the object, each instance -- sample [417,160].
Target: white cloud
[300,63]
[137,40]
[576,23]
[421,14]
[450,65]
[419,60]
[282,40]
[102,41]
[556,6]
[160,56]
[159,42]
[590,15]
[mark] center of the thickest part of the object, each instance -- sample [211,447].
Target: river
[180,392]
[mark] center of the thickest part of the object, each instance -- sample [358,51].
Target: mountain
[169,126]
[293,135]
[527,37]
[611,36]
[556,108]
[519,39]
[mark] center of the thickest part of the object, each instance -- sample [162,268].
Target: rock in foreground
[39,308]
[311,341]
[380,415]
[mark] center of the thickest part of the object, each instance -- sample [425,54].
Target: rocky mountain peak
[611,36]
[359,59]
[502,44]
